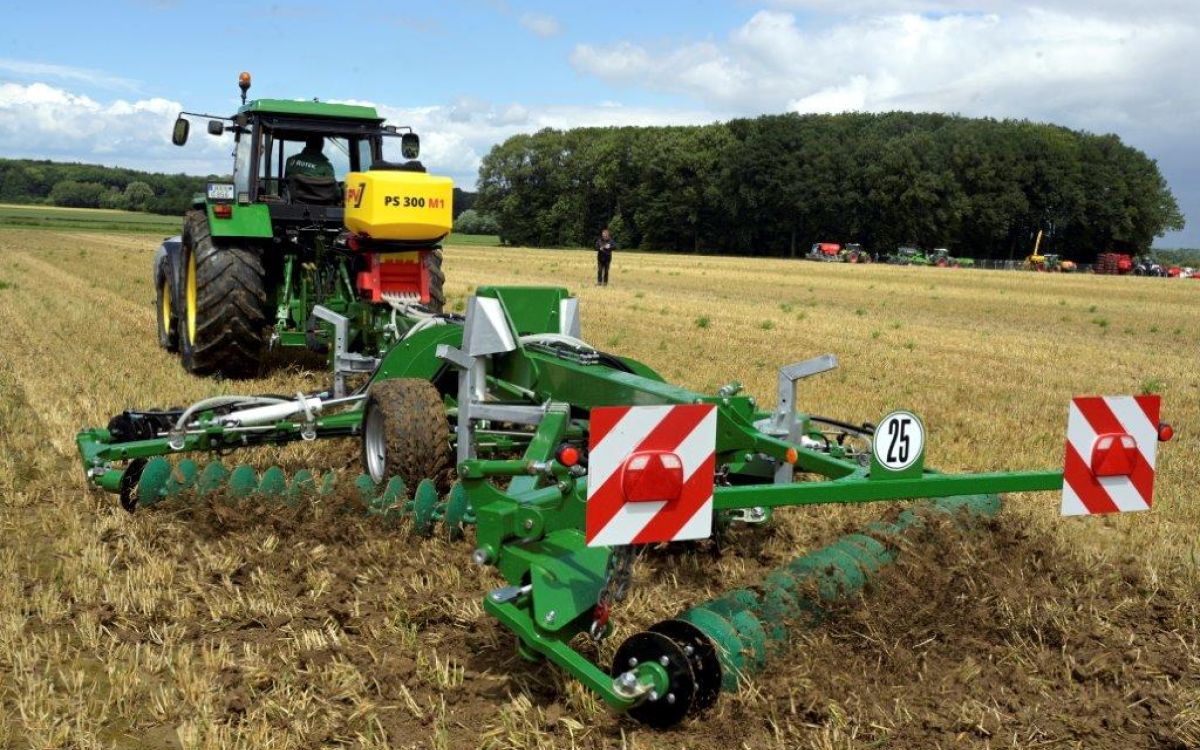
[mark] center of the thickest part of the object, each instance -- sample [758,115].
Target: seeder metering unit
[567,458]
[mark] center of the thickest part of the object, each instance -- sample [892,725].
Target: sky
[102,82]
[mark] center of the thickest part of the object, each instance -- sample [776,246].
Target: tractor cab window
[366,156]
[335,150]
[241,163]
[391,151]
[338,151]
[284,154]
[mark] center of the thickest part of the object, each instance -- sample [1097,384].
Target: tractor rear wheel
[437,280]
[168,324]
[405,433]
[223,320]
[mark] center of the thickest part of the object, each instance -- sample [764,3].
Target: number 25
[898,446]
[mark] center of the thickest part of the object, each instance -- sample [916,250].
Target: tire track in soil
[130,309]
[53,376]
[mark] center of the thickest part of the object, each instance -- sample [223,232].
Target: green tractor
[317,242]
[942,258]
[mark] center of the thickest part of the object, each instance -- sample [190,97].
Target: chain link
[617,576]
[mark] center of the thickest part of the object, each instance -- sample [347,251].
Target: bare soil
[991,638]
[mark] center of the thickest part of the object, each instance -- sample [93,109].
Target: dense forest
[772,185]
[93,186]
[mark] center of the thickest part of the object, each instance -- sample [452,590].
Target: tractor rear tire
[164,302]
[406,434]
[223,321]
[437,280]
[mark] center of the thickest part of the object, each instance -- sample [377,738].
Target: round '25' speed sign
[899,440]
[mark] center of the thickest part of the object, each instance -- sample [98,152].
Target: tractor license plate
[220,191]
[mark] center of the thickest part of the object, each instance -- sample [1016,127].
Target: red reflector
[652,476]
[223,210]
[1165,432]
[568,455]
[1114,455]
[791,456]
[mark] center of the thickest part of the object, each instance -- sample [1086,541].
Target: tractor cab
[270,134]
[327,228]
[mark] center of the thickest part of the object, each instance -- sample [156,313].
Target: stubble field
[211,628]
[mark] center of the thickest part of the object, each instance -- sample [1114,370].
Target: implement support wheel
[405,433]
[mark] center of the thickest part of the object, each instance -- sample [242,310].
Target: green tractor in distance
[942,258]
[855,253]
[327,258]
[907,255]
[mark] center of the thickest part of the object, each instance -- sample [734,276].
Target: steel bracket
[486,332]
[784,421]
[344,361]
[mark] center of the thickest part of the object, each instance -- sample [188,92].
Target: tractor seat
[313,191]
[409,166]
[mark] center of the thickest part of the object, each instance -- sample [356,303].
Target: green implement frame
[518,388]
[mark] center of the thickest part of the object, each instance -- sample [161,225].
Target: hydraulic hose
[218,401]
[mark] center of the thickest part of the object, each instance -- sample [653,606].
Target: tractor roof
[303,108]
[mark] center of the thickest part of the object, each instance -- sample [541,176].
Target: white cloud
[37,70]
[541,24]
[1085,70]
[1091,7]
[42,121]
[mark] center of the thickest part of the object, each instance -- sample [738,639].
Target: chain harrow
[617,576]
[158,479]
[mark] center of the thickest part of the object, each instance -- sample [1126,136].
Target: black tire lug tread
[437,280]
[168,330]
[230,305]
[418,434]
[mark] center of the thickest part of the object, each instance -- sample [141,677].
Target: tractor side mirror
[216,127]
[410,145]
[179,134]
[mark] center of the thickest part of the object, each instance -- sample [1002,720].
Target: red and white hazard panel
[650,473]
[1111,443]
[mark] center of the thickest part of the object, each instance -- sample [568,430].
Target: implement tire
[223,320]
[437,280]
[406,434]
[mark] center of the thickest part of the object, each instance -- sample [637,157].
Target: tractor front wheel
[168,324]
[223,320]
[406,434]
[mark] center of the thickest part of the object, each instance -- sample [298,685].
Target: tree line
[772,185]
[93,186]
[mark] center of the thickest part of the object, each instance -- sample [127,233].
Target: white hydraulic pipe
[216,401]
[273,412]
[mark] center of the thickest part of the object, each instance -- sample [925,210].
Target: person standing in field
[604,251]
